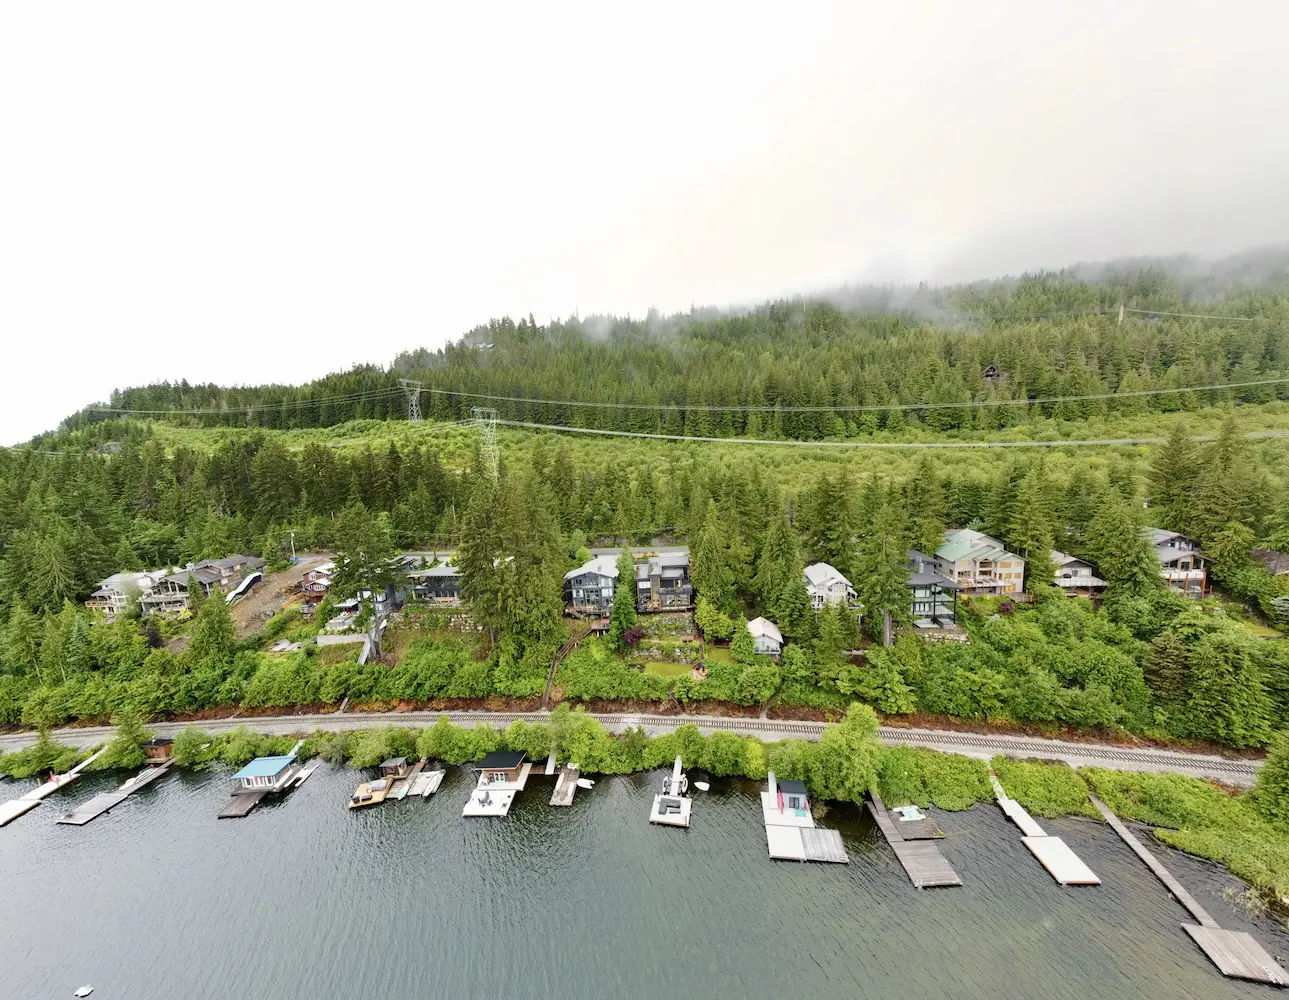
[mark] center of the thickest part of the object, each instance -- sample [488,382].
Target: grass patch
[908,776]
[1260,631]
[661,668]
[1201,819]
[717,654]
[1045,789]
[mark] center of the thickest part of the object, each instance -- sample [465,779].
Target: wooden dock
[565,786]
[427,783]
[11,810]
[1236,954]
[101,803]
[241,804]
[922,860]
[1052,852]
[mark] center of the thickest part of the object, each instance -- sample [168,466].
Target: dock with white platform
[790,831]
[101,803]
[673,806]
[23,804]
[502,776]
[1052,852]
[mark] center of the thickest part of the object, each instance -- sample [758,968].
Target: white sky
[245,193]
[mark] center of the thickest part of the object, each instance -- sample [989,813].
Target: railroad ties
[922,860]
[1052,852]
[1235,953]
[101,803]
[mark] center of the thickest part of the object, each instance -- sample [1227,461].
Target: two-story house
[439,584]
[589,588]
[172,593]
[1181,563]
[826,585]
[977,563]
[662,580]
[766,637]
[114,593]
[1076,576]
[933,598]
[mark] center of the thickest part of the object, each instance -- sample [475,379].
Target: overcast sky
[246,193]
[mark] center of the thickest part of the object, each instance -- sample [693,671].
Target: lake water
[304,899]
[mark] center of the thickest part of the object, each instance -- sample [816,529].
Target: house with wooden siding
[1076,576]
[977,563]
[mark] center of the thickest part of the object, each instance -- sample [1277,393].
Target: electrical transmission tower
[412,390]
[485,418]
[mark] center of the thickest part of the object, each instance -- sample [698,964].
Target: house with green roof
[977,563]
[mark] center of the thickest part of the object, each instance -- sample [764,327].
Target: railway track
[975,744]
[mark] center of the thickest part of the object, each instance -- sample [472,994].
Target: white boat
[585,783]
[84,991]
[702,786]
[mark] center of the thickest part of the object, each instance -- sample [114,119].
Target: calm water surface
[304,899]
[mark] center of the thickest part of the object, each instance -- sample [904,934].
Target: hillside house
[318,580]
[1181,563]
[977,563]
[662,580]
[826,585]
[766,637]
[1076,576]
[173,593]
[114,593]
[589,588]
[437,584]
[933,601]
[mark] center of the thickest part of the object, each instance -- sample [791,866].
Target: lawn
[664,669]
[715,654]
[1260,631]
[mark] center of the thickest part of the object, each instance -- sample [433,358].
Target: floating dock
[502,776]
[264,776]
[1052,852]
[427,783]
[673,806]
[104,801]
[240,805]
[565,786]
[790,831]
[402,786]
[11,810]
[1236,954]
[922,860]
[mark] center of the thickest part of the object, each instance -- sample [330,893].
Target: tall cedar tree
[1119,545]
[623,614]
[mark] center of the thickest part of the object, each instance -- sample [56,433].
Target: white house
[1181,563]
[1074,575]
[826,585]
[114,593]
[766,637]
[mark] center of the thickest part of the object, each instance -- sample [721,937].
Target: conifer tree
[779,562]
[1122,551]
[925,503]
[623,614]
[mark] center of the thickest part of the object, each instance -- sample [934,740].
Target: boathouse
[395,767]
[790,831]
[266,774]
[500,767]
[158,751]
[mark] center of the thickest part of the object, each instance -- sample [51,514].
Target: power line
[1237,319]
[234,409]
[993,401]
[1103,442]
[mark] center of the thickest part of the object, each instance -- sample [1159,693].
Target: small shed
[158,751]
[395,767]
[501,765]
[265,774]
[794,794]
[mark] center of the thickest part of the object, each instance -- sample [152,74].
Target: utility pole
[412,390]
[485,418]
[1121,312]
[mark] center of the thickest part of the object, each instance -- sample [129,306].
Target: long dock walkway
[11,810]
[922,860]
[1236,954]
[101,803]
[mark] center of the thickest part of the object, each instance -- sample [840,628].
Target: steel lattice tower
[485,418]
[412,390]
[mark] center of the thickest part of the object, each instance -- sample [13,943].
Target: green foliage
[623,613]
[372,746]
[711,621]
[1044,789]
[126,747]
[921,777]
[742,645]
[193,747]
[44,756]
[1270,796]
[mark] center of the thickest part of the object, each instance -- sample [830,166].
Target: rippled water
[304,899]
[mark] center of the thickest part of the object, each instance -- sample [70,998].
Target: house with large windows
[933,601]
[977,563]
[827,585]
[1076,576]
[1181,563]
[662,580]
[589,588]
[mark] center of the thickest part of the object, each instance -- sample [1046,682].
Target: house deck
[489,802]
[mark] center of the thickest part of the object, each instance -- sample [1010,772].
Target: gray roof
[763,627]
[231,562]
[821,574]
[447,569]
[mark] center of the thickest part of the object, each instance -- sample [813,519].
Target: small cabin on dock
[158,751]
[395,767]
[266,774]
[792,795]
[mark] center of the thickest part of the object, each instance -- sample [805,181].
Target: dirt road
[249,614]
